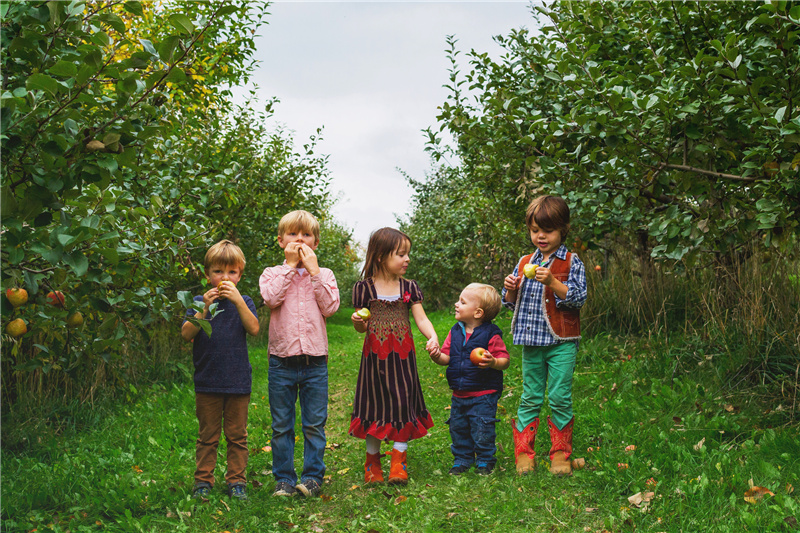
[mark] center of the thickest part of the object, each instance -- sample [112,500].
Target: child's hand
[488,360]
[359,323]
[292,254]
[511,283]
[436,356]
[210,297]
[544,276]
[308,258]
[433,347]
[227,289]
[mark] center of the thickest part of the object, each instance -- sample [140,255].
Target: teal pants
[547,368]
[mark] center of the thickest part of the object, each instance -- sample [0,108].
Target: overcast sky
[371,74]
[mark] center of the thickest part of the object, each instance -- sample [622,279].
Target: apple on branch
[17,296]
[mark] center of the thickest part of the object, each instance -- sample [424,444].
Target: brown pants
[217,412]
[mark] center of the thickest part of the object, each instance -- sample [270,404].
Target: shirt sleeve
[250,305]
[498,348]
[413,291]
[326,292]
[274,283]
[361,294]
[576,285]
[446,346]
[510,305]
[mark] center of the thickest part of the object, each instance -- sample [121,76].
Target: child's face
[218,273]
[467,306]
[396,263]
[297,235]
[546,241]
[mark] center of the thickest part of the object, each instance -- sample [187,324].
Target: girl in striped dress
[388,403]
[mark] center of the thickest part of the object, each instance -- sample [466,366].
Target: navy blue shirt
[221,363]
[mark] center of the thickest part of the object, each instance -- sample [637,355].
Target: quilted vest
[462,375]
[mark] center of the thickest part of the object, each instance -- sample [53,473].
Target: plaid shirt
[530,327]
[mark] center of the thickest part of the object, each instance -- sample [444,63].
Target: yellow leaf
[343,471]
[399,500]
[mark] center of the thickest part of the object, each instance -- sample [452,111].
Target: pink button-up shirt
[299,305]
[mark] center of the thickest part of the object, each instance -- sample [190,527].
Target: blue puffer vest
[462,375]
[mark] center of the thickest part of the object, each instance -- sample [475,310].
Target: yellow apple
[17,296]
[364,313]
[529,270]
[17,328]
[75,320]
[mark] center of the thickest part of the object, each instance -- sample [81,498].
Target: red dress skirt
[388,403]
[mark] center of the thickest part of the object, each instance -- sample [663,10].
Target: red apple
[477,356]
[55,298]
[597,267]
[17,296]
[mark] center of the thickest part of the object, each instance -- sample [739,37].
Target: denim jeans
[472,429]
[310,382]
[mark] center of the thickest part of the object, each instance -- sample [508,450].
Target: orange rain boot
[524,454]
[372,469]
[398,474]
[561,448]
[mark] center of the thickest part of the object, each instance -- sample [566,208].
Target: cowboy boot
[524,455]
[561,448]
[398,473]
[372,469]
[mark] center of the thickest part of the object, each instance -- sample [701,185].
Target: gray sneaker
[284,488]
[309,488]
[201,491]
[237,491]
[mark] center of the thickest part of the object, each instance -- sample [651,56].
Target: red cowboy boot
[561,448]
[524,455]
[398,474]
[372,469]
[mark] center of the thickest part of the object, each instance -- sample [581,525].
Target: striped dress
[388,402]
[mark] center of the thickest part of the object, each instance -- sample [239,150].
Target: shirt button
[547,300]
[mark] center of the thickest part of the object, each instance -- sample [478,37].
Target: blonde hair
[224,253]
[550,213]
[490,299]
[299,221]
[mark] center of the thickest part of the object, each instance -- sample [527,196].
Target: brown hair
[550,213]
[382,243]
[490,299]
[224,253]
[299,221]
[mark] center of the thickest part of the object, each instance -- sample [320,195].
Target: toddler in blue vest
[476,381]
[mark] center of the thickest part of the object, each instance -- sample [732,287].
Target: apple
[17,328]
[597,268]
[55,298]
[529,270]
[477,356]
[75,320]
[17,296]
[579,463]
[364,313]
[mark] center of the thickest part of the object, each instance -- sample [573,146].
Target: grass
[699,445]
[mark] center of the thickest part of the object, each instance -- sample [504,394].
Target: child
[300,295]
[388,403]
[547,324]
[476,387]
[222,371]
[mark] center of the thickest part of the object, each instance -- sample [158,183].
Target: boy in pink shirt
[300,295]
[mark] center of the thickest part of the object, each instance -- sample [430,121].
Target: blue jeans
[287,379]
[472,429]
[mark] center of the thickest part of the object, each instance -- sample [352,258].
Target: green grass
[132,471]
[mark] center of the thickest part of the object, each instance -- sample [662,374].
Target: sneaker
[484,470]
[201,490]
[284,488]
[457,470]
[309,488]
[237,491]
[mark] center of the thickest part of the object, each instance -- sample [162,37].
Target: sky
[371,74]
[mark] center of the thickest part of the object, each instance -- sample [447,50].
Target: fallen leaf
[170,514]
[354,487]
[266,449]
[447,408]
[285,524]
[137,469]
[641,498]
[578,463]
[630,448]
[450,515]
[343,471]
[697,447]
[756,493]
[325,497]
[387,495]
[592,509]
[678,421]
[651,482]
[789,488]
[399,500]
[256,484]
[622,466]
[729,407]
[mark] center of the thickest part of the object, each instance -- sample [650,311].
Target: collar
[561,253]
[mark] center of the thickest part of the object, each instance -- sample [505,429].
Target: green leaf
[64,68]
[794,14]
[167,48]
[134,7]
[186,298]
[42,82]
[182,23]
[78,262]
[779,114]
[176,75]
